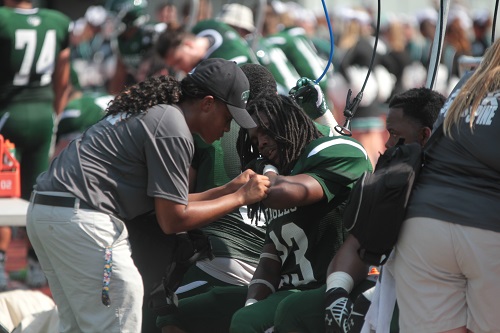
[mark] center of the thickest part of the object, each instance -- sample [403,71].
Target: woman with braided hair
[311,177]
[135,160]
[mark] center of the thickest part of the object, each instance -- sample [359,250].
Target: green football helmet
[128,13]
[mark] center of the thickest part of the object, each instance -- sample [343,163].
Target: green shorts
[201,281]
[260,316]
[210,312]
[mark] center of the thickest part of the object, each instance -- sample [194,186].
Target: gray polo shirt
[461,181]
[120,165]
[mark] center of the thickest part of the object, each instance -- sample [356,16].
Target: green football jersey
[30,40]
[308,237]
[225,42]
[135,43]
[216,164]
[301,53]
[231,237]
[275,60]
[83,112]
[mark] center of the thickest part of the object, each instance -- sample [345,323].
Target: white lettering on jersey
[272,214]
[26,39]
[485,111]
[294,239]
[217,38]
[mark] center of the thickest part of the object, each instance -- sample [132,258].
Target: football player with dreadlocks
[311,177]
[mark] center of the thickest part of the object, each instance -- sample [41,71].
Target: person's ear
[425,133]
[188,43]
[207,102]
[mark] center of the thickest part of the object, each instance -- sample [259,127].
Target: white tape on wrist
[270,256]
[270,168]
[339,279]
[264,282]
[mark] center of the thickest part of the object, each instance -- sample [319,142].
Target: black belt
[51,200]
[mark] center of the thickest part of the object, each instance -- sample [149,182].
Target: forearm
[267,277]
[217,192]
[212,193]
[329,120]
[196,213]
[60,81]
[347,260]
[292,191]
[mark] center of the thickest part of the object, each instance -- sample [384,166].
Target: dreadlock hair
[143,95]
[288,125]
[420,104]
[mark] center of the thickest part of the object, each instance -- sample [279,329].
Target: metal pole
[437,44]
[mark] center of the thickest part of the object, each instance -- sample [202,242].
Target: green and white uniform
[336,163]
[132,46]
[225,42]
[81,113]
[236,242]
[275,60]
[306,238]
[30,40]
[301,53]
[218,163]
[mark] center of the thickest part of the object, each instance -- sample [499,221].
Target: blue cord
[331,42]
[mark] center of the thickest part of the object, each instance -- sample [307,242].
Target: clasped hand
[253,186]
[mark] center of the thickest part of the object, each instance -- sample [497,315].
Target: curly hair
[288,125]
[143,95]
[260,79]
[420,104]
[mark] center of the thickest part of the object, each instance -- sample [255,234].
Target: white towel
[379,315]
[15,305]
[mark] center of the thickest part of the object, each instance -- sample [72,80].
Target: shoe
[4,280]
[35,278]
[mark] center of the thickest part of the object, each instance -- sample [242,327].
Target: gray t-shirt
[461,181]
[119,166]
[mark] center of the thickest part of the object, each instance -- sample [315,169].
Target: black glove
[359,310]
[338,308]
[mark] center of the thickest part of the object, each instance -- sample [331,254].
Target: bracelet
[270,168]
[250,301]
[270,256]
[264,282]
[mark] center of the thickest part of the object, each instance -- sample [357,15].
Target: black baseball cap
[227,82]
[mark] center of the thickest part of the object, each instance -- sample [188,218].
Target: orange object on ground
[10,171]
